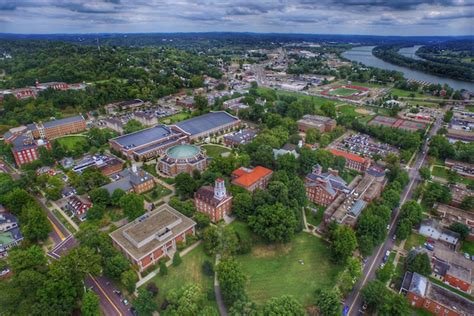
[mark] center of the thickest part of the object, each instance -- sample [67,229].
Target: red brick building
[153,236]
[58,128]
[213,201]
[26,150]
[251,179]
[354,162]
[52,85]
[323,188]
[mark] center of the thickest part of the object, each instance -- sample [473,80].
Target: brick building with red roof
[251,179]
[353,161]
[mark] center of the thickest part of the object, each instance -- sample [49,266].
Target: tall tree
[232,281]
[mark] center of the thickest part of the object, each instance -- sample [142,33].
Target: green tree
[375,294]
[425,173]
[132,205]
[128,279]
[242,205]
[273,223]
[115,266]
[404,229]
[397,305]
[187,300]
[37,226]
[283,305]
[90,304]
[384,274]
[163,268]
[328,302]
[201,102]
[232,281]
[312,135]
[100,196]
[132,126]
[177,259]
[116,196]
[343,243]
[460,228]
[418,262]
[31,258]
[467,203]
[96,212]
[243,308]
[185,185]
[145,304]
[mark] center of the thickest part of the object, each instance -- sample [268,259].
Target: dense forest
[389,53]
[457,53]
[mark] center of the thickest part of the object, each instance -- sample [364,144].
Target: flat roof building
[321,123]
[205,125]
[153,236]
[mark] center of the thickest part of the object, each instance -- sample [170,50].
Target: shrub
[177,259]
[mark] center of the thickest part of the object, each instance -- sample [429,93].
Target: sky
[371,17]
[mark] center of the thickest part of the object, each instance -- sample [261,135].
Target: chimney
[317,169]
[219,189]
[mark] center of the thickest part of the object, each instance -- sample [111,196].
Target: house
[79,206]
[323,188]
[51,85]
[431,228]
[287,149]
[455,275]
[353,161]
[114,124]
[241,137]
[437,300]
[153,236]
[462,168]
[132,180]
[10,234]
[213,201]
[251,179]
[321,123]
[450,215]
[147,118]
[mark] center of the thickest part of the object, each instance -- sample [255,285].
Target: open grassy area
[442,172]
[214,151]
[347,109]
[345,92]
[275,270]
[181,116]
[314,219]
[189,271]
[468,246]
[318,101]
[408,94]
[157,193]
[72,142]
[414,240]
[365,84]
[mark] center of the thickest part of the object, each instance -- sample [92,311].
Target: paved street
[354,300]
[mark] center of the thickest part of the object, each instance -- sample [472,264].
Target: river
[363,54]
[410,52]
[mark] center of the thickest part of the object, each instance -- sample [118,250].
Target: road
[354,300]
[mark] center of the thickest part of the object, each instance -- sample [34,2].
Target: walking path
[218,293]
[307,230]
[151,275]
[69,220]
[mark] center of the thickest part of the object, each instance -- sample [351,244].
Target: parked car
[467,256]
[429,246]
[125,302]
[385,258]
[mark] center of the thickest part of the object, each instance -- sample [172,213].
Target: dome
[182,151]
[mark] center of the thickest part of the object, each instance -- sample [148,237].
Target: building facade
[26,149]
[321,123]
[57,128]
[323,188]
[353,161]
[153,236]
[213,201]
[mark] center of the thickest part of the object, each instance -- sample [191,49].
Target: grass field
[214,151]
[414,240]
[365,84]
[315,100]
[72,142]
[345,92]
[178,117]
[347,109]
[190,271]
[468,246]
[442,172]
[275,270]
[157,193]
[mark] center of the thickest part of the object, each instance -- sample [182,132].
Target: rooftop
[182,151]
[63,121]
[347,155]
[143,137]
[206,122]
[247,177]
[151,231]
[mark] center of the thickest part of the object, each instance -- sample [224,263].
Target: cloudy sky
[379,17]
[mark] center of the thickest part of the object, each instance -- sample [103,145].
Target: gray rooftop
[203,123]
[63,121]
[143,137]
[418,284]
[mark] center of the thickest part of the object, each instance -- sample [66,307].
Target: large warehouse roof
[143,137]
[206,122]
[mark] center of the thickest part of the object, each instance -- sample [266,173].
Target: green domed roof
[182,151]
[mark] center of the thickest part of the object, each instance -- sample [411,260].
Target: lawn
[318,101]
[314,219]
[178,117]
[157,193]
[414,240]
[275,270]
[347,109]
[442,172]
[72,142]
[215,151]
[366,84]
[349,175]
[189,271]
[468,246]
